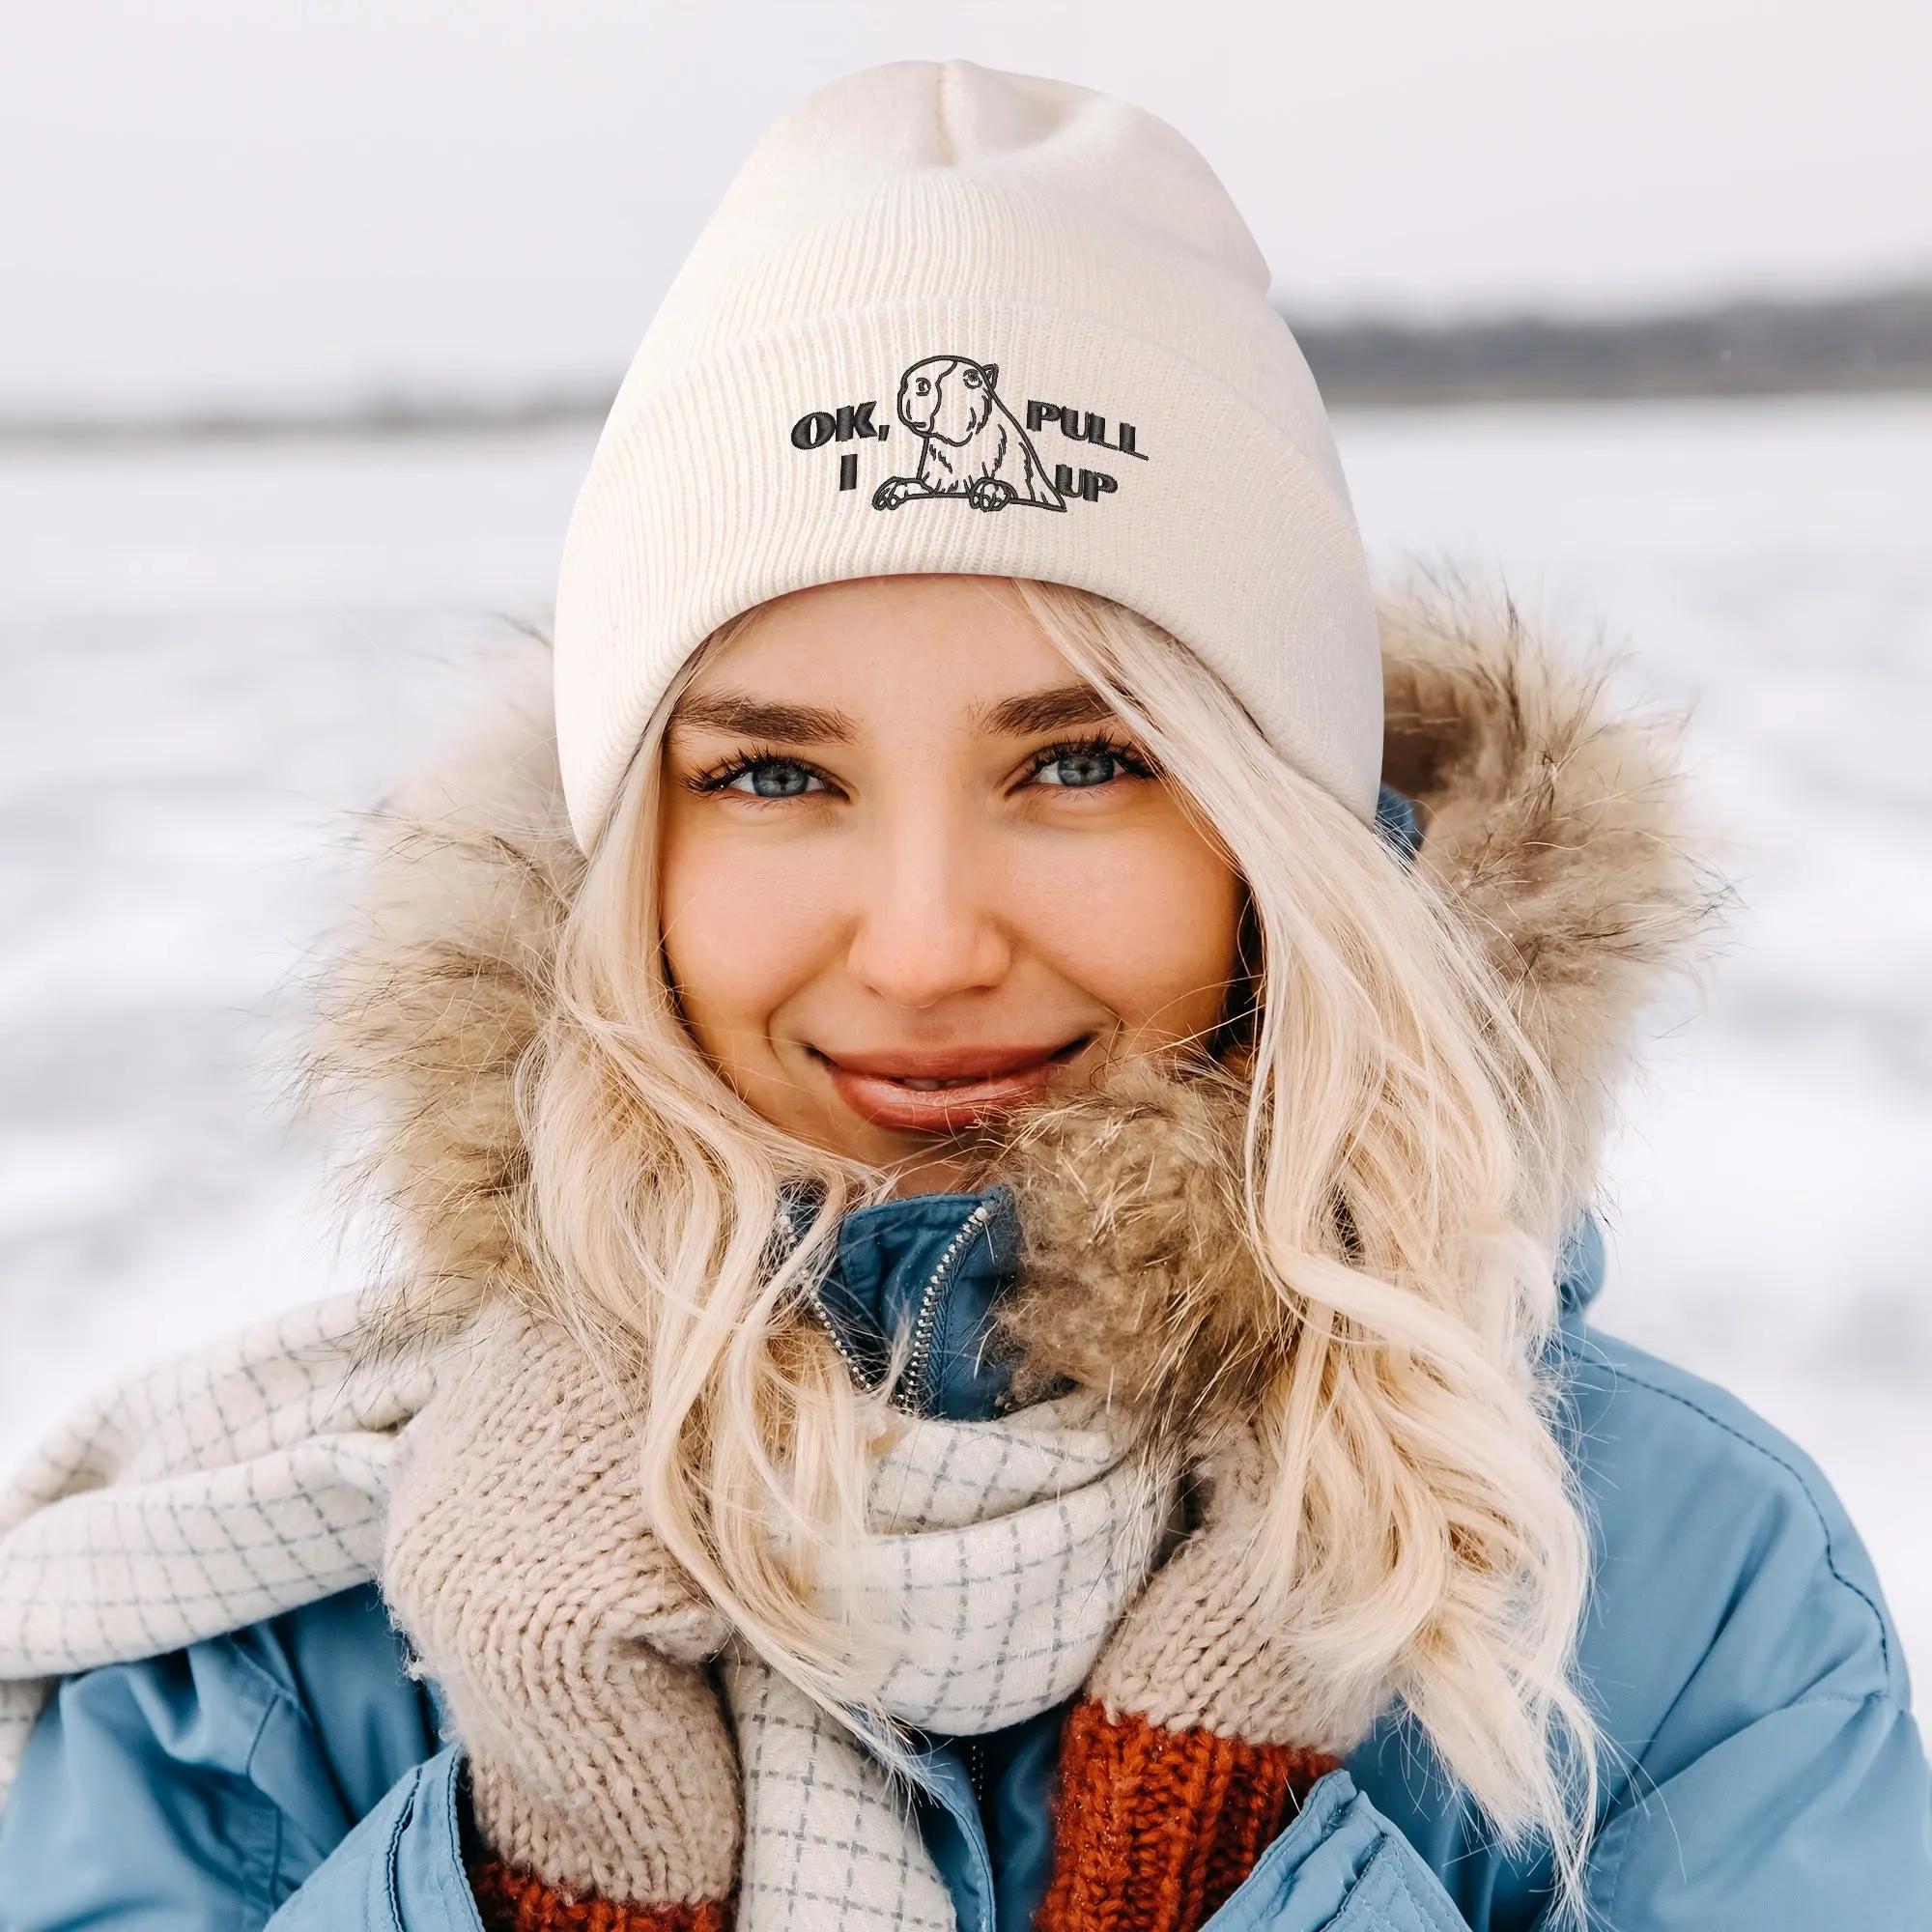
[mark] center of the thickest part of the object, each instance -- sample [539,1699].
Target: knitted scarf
[1006,1553]
[195,1499]
[252,1478]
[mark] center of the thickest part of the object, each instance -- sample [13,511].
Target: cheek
[743,929]
[1149,925]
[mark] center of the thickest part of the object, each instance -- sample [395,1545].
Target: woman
[995,1232]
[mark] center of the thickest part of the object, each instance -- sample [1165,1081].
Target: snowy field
[214,653]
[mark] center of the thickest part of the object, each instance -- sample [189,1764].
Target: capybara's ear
[991,372]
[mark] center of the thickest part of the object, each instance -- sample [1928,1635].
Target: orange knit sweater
[518,1901]
[1154,1829]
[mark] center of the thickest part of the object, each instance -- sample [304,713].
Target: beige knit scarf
[251,1479]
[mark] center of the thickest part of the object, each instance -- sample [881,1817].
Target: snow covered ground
[213,653]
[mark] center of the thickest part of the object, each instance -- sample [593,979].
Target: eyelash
[715,778]
[1135,763]
[718,776]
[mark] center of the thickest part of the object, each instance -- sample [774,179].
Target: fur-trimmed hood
[1553,821]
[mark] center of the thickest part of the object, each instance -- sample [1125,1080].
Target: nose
[926,930]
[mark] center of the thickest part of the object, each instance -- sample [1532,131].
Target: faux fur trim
[435,992]
[1129,1280]
[1554,821]
[1557,823]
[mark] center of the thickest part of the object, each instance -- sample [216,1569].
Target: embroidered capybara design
[971,445]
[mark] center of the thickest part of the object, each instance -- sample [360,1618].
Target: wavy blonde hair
[1401,1195]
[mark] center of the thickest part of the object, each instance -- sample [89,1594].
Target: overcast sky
[297,203]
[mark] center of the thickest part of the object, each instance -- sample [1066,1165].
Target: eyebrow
[737,711]
[1061,708]
[1058,709]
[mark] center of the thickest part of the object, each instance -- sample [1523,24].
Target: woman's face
[915,872]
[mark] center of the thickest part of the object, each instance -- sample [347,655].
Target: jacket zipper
[853,1367]
[912,1384]
[919,1358]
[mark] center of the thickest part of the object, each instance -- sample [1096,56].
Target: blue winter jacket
[1762,1771]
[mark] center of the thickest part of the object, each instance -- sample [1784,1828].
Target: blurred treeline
[1881,340]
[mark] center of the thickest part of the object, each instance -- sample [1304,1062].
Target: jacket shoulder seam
[1811,1702]
[1804,1483]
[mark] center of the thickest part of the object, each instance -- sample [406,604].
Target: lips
[946,1090]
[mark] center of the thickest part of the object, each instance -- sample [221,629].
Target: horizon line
[1876,343]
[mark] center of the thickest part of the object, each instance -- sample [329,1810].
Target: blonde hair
[1402,1197]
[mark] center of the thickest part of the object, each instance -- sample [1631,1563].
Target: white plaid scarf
[252,1479]
[1007,1551]
[193,1500]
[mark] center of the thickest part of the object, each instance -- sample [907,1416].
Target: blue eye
[774,777]
[1076,771]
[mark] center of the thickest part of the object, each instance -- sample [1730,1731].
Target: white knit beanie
[955,320]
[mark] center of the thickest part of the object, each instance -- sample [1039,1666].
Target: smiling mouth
[946,1092]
